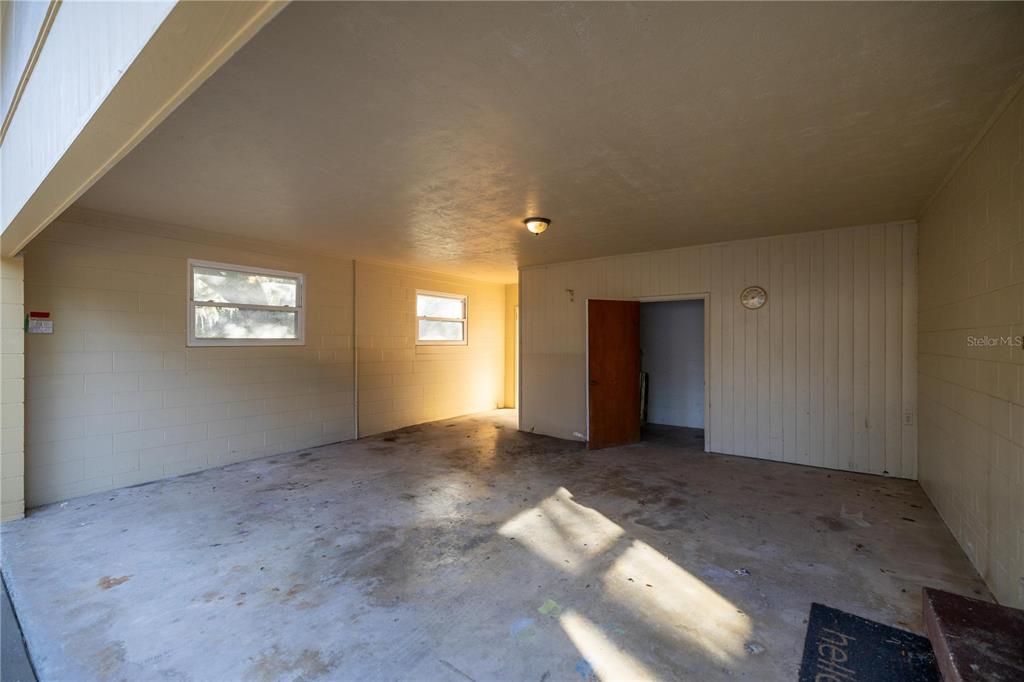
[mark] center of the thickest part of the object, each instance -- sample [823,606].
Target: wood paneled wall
[823,375]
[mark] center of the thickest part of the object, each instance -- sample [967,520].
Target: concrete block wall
[12,390]
[511,348]
[114,397]
[401,383]
[971,384]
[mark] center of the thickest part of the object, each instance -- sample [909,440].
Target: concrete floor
[465,550]
[14,663]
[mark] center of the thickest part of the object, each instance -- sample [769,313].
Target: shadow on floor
[14,663]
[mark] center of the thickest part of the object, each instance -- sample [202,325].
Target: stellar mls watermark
[995,341]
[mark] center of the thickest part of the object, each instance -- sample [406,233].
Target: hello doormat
[841,647]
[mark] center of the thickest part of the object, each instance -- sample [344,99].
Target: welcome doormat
[841,647]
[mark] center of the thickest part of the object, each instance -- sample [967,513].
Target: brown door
[613,332]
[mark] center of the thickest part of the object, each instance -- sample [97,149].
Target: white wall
[401,383]
[511,349]
[672,345]
[821,375]
[20,24]
[972,396]
[115,398]
[12,389]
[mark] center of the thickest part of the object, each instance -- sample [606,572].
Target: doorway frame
[705,297]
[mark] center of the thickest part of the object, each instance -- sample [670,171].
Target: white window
[233,305]
[440,319]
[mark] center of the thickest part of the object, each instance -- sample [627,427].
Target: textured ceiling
[424,133]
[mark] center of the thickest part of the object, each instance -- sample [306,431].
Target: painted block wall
[822,375]
[114,397]
[12,390]
[401,383]
[511,352]
[672,347]
[971,361]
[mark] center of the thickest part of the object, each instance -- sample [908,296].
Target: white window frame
[299,308]
[464,319]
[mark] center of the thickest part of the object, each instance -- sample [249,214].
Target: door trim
[705,297]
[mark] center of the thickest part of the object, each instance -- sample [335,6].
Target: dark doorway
[673,367]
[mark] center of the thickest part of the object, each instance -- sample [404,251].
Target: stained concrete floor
[465,550]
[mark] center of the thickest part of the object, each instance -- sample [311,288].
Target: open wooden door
[613,333]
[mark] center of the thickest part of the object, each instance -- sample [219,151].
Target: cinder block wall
[115,398]
[401,383]
[971,387]
[12,390]
[511,351]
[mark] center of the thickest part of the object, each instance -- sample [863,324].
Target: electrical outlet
[908,418]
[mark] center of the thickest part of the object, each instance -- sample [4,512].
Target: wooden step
[974,640]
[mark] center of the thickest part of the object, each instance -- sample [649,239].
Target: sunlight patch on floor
[643,582]
[608,660]
[562,532]
[657,590]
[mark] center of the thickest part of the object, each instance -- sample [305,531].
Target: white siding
[815,377]
[20,24]
[89,47]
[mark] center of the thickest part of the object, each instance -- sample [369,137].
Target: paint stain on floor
[106,582]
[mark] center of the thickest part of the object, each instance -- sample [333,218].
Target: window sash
[298,309]
[463,320]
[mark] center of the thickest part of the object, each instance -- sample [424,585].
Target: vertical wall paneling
[861,339]
[789,343]
[713,439]
[816,340]
[751,369]
[803,341]
[845,360]
[817,376]
[908,446]
[877,340]
[728,413]
[830,350]
[763,438]
[893,349]
[776,305]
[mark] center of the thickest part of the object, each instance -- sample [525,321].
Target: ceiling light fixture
[537,224]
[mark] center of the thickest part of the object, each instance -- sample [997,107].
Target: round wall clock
[753,297]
